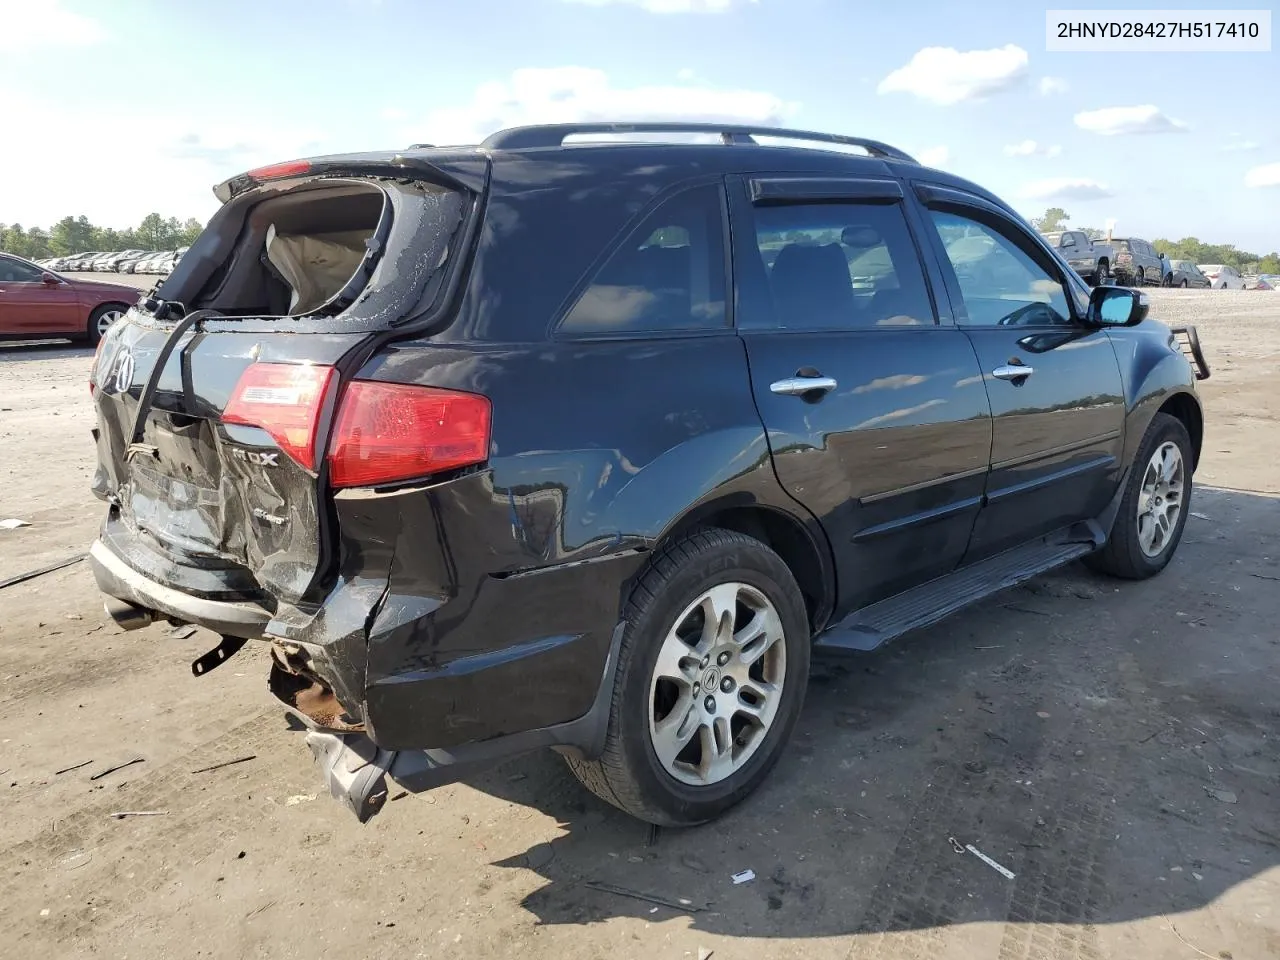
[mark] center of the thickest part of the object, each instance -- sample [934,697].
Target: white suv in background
[1222,276]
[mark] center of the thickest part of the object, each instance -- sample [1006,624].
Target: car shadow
[1111,745]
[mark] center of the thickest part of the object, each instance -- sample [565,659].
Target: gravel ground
[1114,745]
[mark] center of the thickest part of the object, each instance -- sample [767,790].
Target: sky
[117,109]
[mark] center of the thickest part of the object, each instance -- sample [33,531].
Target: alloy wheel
[107,318]
[717,684]
[1160,502]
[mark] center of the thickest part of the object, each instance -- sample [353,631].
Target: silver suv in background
[1091,259]
[1136,262]
[1222,276]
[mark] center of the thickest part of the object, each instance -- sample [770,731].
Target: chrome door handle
[1012,371]
[799,386]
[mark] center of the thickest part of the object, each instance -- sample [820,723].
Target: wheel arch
[1187,409]
[800,543]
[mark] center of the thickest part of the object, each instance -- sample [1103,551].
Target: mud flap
[355,770]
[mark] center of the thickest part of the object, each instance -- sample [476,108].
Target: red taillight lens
[285,400]
[277,171]
[387,432]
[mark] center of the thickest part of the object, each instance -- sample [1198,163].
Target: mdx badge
[253,456]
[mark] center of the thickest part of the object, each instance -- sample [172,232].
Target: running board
[874,625]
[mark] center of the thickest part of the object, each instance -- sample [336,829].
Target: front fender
[1153,370]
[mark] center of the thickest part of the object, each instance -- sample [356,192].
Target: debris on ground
[227,763]
[183,631]
[746,876]
[970,848]
[298,798]
[678,903]
[40,571]
[704,953]
[693,863]
[1200,516]
[1226,796]
[119,766]
[13,523]
[57,773]
[140,813]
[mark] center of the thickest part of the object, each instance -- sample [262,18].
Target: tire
[1183,284]
[1140,279]
[672,595]
[1129,554]
[1102,274]
[101,319]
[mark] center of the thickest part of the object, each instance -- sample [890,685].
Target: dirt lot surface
[1113,745]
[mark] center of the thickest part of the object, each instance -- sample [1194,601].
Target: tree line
[1188,248]
[77,235]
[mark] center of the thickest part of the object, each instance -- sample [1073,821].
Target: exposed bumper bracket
[355,770]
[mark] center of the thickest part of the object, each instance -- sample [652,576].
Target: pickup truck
[1092,259]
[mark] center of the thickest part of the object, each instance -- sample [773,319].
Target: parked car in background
[37,303]
[1255,282]
[1187,274]
[1222,276]
[113,262]
[1090,258]
[1136,262]
[1272,280]
[469,527]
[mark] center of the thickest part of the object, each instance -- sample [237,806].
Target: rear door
[31,307]
[1057,400]
[873,404]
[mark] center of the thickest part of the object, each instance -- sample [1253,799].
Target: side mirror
[48,279]
[1117,307]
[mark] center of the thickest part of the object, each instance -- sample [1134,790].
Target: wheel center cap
[711,679]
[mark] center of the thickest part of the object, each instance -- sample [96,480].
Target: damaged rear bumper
[228,618]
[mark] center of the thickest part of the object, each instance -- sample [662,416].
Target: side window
[842,266]
[15,271]
[1001,284]
[668,275]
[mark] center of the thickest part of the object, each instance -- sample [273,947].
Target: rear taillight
[278,171]
[1212,276]
[285,400]
[389,432]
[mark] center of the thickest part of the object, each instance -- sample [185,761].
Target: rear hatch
[215,397]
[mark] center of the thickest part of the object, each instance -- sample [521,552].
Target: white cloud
[1111,121]
[1067,188]
[945,75]
[576,94]
[1029,148]
[1267,175]
[934,156]
[29,27]
[686,74]
[1051,85]
[173,177]
[670,6]
[393,113]
[1240,146]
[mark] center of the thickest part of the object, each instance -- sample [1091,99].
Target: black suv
[588,445]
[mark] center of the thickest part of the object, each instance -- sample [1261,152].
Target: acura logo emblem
[124,372]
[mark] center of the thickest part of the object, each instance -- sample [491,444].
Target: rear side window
[667,276]
[14,271]
[842,266]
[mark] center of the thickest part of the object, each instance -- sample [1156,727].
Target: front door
[31,307]
[875,411]
[1057,401]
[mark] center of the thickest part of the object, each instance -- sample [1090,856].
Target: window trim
[947,199]
[556,330]
[19,262]
[791,191]
[753,281]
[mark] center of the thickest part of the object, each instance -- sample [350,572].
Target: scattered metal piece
[13,523]
[183,631]
[1200,516]
[69,769]
[1003,871]
[140,813]
[119,766]
[41,571]
[746,876]
[1187,942]
[1226,796]
[226,763]
[220,654]
[956,845]
[680,903]
[1263,576]
[253,913]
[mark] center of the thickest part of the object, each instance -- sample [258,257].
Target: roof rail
[554,135]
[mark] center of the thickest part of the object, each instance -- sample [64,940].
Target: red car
[36,303]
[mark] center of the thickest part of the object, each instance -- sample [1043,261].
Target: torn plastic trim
[377,165]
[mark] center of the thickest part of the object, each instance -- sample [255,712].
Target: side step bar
[874,625]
